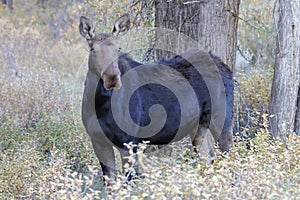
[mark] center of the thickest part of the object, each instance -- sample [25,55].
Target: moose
[108,111]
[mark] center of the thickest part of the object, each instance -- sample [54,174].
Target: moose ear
[86,28]
[122,25]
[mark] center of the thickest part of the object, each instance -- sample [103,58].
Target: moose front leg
[106,157]
[131,161]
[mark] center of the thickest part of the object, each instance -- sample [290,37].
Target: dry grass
[267,171]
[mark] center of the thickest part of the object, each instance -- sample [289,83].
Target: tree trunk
[213,24]
[210,25]
[297,119]
[283,105]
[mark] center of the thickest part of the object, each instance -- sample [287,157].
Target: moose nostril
[112,82]
[110,87]
[114,79]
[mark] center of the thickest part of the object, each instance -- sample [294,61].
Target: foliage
[255,88]
[141,11]
[39,115]
[263,172]
[141,14]
[252,97]
[256,48]
[256,37]
[267,170]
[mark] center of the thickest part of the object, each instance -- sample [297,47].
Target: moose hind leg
[203,142]
[225,141]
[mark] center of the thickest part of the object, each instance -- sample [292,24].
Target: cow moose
[111,73]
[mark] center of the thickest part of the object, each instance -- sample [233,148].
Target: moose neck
[126,63]
[95,83]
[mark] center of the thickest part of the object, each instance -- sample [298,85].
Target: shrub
[266,171]
[29,96]
[252,96]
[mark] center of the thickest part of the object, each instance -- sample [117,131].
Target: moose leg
[203,142]
[225,140]
[128,160]
[106,157]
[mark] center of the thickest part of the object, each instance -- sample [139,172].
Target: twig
[246,21]
[189,2]
[242,54]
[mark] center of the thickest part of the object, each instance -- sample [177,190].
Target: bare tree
[212,23]
[285,89]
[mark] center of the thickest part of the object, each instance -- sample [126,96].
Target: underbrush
[42,138]
[41,135]
[268,170]
[251,100]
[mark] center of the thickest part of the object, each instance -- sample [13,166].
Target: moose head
[104,48]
